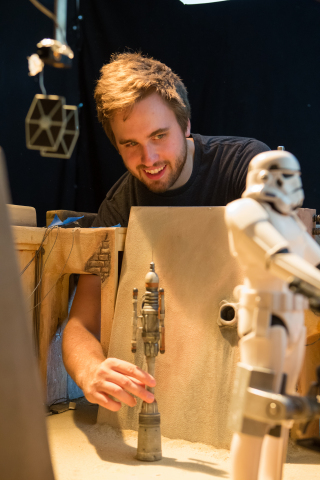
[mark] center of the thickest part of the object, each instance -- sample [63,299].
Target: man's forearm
[82,351]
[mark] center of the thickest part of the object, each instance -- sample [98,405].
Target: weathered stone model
[153,335]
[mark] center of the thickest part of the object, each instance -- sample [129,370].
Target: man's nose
[148,155]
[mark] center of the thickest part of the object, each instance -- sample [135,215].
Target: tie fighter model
[69,137]
[51,126]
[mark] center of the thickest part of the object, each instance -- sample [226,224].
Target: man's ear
[188,130]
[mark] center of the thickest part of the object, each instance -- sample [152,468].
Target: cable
[35,288]
[60,275]
[51,15]
[45,235]
[44,10]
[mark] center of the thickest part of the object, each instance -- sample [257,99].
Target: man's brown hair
[128,78]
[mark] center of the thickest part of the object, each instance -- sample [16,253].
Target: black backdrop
[252,68]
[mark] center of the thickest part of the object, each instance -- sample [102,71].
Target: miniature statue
[153,335]
[274,249]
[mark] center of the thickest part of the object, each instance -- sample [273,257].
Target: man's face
[151,143]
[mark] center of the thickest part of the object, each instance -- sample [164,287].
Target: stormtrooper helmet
[274,177]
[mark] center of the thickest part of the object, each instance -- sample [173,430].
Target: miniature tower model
[153,334]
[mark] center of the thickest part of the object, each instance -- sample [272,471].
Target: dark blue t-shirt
[218,177]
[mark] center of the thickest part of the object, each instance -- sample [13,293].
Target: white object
[35,65]
[274,177]
[22,216]
[272,246]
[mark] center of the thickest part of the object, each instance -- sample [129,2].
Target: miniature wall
[195,376]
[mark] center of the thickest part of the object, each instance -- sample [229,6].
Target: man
[144,109]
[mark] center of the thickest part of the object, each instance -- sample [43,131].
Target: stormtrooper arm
[254,240]
[280,262]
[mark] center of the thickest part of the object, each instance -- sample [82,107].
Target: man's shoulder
[115,208]
[121,186]
[210,142]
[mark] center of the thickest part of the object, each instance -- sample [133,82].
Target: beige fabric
[195,376]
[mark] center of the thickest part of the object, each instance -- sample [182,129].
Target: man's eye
[130,144]
[158,137]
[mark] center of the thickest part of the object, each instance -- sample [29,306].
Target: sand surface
[84,450]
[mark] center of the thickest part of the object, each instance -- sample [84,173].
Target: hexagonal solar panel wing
[45,122]
[69,137]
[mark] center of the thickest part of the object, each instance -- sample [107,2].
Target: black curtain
[44,183]
[252,68]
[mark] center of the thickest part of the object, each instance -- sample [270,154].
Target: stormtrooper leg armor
[267,353]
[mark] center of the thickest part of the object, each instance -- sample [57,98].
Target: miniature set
[278,259]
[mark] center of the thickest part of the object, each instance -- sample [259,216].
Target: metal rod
[60,9]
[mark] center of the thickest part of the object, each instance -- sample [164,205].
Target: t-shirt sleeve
[245,154]
[115,208]
[108,215]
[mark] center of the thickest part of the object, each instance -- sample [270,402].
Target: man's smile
[155,173]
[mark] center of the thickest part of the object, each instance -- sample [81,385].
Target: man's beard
[158,186]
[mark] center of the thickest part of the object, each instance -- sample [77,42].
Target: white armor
[273,247]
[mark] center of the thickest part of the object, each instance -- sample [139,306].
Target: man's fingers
[130,385]
[118,392]
[105,401]
[131,370]
[136,381]
[120,379]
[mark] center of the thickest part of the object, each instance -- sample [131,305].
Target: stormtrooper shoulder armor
[244,212]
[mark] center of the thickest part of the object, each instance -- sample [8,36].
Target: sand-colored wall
[195,376]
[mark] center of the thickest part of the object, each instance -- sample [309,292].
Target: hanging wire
[35,288]
[51,15]
[44,10]
[60,275]
[41,83]
[36,299]
[46,234]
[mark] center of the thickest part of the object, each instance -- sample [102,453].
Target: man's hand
[120,379]
[84,359]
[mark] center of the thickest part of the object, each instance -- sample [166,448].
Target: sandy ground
[83,450]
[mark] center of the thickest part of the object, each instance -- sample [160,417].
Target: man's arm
[85,362]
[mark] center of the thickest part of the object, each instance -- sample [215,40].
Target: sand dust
[84,450]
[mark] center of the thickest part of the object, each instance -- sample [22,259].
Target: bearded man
[144,109]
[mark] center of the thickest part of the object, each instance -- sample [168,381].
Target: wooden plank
[28,235]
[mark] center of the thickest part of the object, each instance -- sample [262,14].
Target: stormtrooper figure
[273,248]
